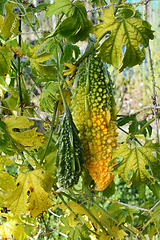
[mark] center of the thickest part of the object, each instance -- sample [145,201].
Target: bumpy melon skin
[69,159]
[93,111]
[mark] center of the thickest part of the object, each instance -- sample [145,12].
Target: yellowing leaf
[71,70]
[9,229]
[67,95]
[7,181]
[28,138]
[117,233]
[48,95]
[126,35]
[104,236]
[133,168]
[31,193]
[11,23]
[79,210]
[42,57]
[5,60]
[4,160]
[1,21]
[42,69]
[39,201]
[13,228]
[18,123]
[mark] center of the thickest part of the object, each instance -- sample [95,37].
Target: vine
[64,171]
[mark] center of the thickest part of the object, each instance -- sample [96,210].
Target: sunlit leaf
[5,60]
[155,216]
[63,6]
[121,213]
[71,70]
[4,160]
[98,2]
[48,96]
[11,22]
[126,35]
[31,193]
[77,230]
[9,229]
[1,20]
[43,57]
[27,138]
[6,181]
[69,51]
[133,167]
[42,70]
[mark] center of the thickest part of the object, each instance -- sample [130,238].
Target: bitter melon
[69,159]
[94,112]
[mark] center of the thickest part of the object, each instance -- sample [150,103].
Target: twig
[124,204]
[52,130]
[114,201]
[154,206]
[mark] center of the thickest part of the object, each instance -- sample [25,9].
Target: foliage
[45,161]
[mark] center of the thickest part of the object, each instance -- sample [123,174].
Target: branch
[151,210]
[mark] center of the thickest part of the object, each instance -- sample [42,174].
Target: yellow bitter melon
[94,112]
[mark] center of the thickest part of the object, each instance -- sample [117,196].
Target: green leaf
[133,127]
[63,6]
[2,3]
[5,60]
[80,231]
[11,23]
[122,121]
[42,70]
[141,191]
[76,26]
[40,7]
[149,127]
[42,57]
[98,2]
[110,190]
[155,188]
[68,51]
[156,217]
[133,168]
[48,95]
[123,214]
[128,35]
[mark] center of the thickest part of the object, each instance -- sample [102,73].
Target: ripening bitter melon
[94,112]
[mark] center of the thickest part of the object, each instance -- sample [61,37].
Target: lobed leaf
[126,36]
[27,138]
[76,26]
[31,193]
[5,60]
[2,4]
[133,167]
[48,95]
[6,181]
[11,229]
[11,22]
